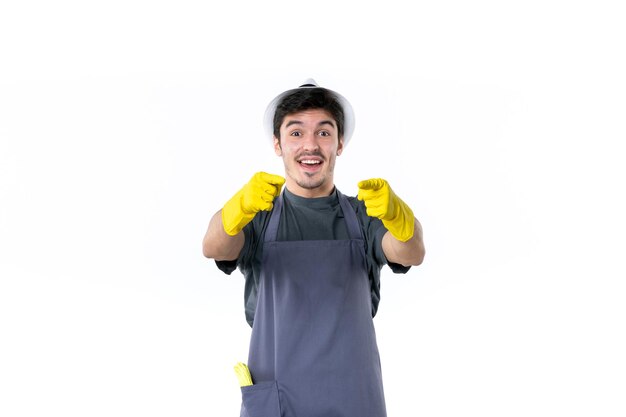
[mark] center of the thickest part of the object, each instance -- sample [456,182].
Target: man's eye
[324,133]
[295,133]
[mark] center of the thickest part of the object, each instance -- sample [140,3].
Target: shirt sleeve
[374,231]
[377,248]
[226,267]
[245,256]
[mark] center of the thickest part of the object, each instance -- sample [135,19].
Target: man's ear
[277,149]
[340,147]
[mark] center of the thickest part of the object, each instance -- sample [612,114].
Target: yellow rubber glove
[243,374]
[382,202]
[258,194]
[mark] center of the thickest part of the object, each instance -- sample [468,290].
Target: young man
[311,258]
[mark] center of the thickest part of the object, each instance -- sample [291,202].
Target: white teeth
[310,162]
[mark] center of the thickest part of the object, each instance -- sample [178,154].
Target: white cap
[348,112]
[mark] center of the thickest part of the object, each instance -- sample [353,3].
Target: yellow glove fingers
[266,188]
[266,198]
[270,179]
[372,184]
[263,182]
[365,195]
[376,211]
[373,213]
[381,202]
[374,204]
[270,190]
[243,374]
[260,197]
[375,194]
[258,194]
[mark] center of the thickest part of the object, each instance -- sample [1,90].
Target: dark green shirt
[309,219]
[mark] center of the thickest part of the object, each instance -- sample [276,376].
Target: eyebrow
[323,122]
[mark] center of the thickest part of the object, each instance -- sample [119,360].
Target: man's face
[309,143]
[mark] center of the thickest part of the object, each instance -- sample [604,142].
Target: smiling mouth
[310,162]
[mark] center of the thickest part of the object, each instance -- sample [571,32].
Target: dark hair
[306,99]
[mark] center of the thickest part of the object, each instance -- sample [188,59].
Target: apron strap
[272,227]
[352,222]
[354,229]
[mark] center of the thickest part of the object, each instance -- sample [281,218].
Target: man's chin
[310,183]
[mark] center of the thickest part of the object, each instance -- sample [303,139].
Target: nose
[310,141]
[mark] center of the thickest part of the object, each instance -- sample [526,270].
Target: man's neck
[295,189]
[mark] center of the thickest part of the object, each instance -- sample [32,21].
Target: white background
[124,125]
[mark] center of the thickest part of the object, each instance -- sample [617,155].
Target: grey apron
[313,349]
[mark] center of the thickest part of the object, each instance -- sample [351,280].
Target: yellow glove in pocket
[243,374]
[383,203]
[257,195]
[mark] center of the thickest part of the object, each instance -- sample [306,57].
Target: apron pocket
[260,400]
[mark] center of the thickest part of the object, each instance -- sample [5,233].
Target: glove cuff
[402,225]
[233,217]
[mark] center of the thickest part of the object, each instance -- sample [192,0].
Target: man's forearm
[219,245]
[406,253]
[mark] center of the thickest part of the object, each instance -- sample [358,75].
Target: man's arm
[402,243]
[219,245]
[224,238]
[406,253]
